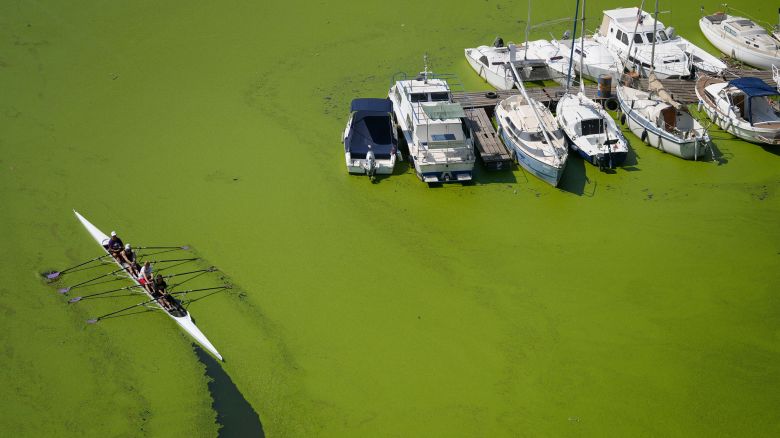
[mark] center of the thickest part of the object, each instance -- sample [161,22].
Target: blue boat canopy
[754,87]
[372,104]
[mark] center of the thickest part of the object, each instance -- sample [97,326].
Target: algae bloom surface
[638,303]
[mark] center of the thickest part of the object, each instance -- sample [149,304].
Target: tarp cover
[372,104]
[371,128]
[754,87]
[444,110]
[654,85]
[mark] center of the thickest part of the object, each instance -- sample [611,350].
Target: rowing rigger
[180,315]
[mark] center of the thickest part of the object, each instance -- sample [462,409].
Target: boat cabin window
[619,35]
[649,36]
[483,59]
[442,137]
[624,39]
[592,126]
[440,97]
[662,36]
[418,97]
[730,31]
[637,38]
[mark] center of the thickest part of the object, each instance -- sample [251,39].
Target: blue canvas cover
[372,104]
[753,87]
[372,125]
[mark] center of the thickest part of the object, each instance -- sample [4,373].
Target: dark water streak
[235,415]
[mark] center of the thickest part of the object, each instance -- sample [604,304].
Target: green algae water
[639,303]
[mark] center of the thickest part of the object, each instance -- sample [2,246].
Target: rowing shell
[185,321]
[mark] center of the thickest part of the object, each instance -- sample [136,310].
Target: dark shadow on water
[234,414]
[771,149]
[485,176]
[574,176]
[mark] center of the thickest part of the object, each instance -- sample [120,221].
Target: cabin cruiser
[441,146]
[742,39]
[659,121]
[632,29]
[747,107]
[370,142]
[491,63]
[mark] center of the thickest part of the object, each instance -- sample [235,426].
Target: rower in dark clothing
[128,257]
[160,288]
[115,246]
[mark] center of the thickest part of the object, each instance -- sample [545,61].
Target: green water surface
[639,303]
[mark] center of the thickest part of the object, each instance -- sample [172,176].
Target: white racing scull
[184,321]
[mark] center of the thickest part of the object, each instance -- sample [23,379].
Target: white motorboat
[630,33]
[555,55]
[748,107]
[596,60]
[370,142]
[441,146]
[742,39]
[490,62]
[661,122]
[178,314]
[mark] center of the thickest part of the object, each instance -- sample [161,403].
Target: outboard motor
[671,32]
[370,164]
[498,42]
[566,35]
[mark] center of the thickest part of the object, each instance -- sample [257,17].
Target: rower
[114,246]
[161,292]
[128,257]
[145,276]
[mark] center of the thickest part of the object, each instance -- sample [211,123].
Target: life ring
[644,136]
[623,119]
[491,95]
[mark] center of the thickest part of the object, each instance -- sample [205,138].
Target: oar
[211,269]
[198,290]
[77,299]
[95,320]
[55,274]
[64,290]
[174,260]
[185,247]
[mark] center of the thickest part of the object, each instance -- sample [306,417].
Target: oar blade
[185,247]
[63,290]
[75,300]
[93,321]
[53,275]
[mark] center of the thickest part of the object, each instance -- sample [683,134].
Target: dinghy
[370,142]
[749,108]
[742,39]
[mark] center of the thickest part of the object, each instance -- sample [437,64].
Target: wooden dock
[492,151]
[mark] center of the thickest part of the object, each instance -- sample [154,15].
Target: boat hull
[547,173]
[494,78]
[185,322]
[651,135]
[742,53]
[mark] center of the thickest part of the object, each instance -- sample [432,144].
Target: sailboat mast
[527,29]
[636,26]
[655,26]
[532,104]
[573,41]
[582,48]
